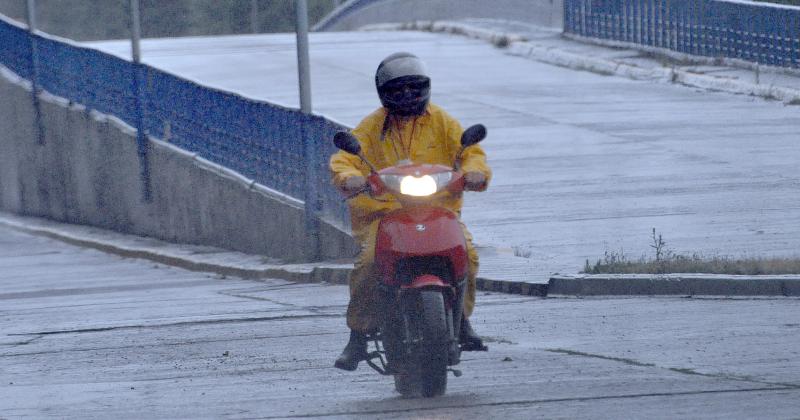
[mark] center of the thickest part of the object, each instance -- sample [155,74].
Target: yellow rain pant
[364,311]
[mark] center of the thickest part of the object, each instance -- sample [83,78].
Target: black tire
[427,373]
[406,384]
[436,338]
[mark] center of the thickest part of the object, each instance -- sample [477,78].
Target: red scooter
[422,255]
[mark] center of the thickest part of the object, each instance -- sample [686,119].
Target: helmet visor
[404,90]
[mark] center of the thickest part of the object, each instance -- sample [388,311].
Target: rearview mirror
[473,135]
[347,142]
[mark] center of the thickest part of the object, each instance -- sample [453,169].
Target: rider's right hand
[354,184]
[474,181]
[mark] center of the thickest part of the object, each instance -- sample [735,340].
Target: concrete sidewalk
[501,271]
[636,62]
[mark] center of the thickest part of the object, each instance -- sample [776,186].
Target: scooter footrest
[383,369]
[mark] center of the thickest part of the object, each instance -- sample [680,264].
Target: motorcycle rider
[406,127]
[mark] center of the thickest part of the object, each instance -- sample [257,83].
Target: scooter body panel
[424,234]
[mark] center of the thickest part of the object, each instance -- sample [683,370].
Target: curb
[674,285]
[295,273]
[520,46]
[302,273]
[557,286]
[511,287]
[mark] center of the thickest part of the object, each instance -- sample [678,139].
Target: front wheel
[426,374]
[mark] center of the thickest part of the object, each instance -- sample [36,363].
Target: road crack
[183,323]
[159,345]
[534,402]
[23,342]
[685,371]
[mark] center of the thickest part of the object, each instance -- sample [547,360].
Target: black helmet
[403,84]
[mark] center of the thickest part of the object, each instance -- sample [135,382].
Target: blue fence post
[648,24]
[626,21]
[637,21]
[663,18]
[143,145]
[681,27]
[778,43]
[582,14]
[567,14]
[688,29]
[34,54]
[702,36]
[755,27]
[312,198]
[794,40]
[308,134]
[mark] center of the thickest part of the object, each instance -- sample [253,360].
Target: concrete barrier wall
[548,13]
[86,171]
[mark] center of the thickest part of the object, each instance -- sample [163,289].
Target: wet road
[90,335]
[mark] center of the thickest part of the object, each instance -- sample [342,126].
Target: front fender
[426,281]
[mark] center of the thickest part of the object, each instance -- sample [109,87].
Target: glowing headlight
[418,187]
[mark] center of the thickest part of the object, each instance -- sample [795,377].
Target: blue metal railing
[266,142]
[262,141]
[342,12]
[762,33]
[15,49]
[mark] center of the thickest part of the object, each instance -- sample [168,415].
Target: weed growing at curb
[666,261]
[659,246]
[502,42]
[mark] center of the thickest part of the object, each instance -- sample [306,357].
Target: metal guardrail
[757,32]
[762,33]
[342,12]
[268,143]
[260,140]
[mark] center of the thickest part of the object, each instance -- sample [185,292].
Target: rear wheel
[426,372]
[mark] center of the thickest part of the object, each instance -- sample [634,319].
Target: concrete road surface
[583,162]
[89,335]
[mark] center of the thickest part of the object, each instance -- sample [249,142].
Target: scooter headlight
[418,186]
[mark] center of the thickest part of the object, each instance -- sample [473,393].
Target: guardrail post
[142,144]
[37,111]
[254,16]
[312,197]
[304,75]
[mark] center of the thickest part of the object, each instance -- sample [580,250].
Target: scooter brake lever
[357,192]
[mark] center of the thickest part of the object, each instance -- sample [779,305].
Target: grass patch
[502,42]
[666,261]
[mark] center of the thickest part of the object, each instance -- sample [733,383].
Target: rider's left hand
[474,181]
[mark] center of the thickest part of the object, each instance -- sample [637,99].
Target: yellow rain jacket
[434,138]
